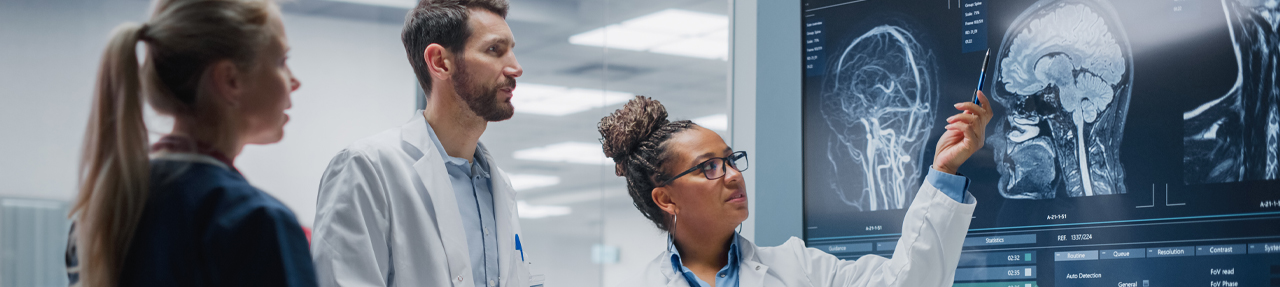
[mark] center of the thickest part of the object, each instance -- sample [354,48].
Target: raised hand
[964,135]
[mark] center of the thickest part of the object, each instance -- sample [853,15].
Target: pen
[982,78]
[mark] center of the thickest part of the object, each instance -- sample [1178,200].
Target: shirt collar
[171,144]
[478,167]
[732,264]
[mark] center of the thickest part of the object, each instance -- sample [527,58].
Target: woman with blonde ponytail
[177,212]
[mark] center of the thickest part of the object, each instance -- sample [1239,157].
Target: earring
[671,233]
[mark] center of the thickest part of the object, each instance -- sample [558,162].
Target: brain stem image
[1234,137]
[879,103]
[1063,77]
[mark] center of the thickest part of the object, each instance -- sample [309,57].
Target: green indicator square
[1027,257]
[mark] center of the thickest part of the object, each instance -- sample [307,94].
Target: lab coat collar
[430,168]
[479,166]
[504,210]
[751,271]
[416,133]
[733,262]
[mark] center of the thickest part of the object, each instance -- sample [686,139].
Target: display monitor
[1134,142]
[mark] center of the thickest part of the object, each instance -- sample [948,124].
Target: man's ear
[662,197]
[439,61]
[226,82]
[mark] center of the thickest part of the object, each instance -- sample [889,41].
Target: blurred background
[582,60]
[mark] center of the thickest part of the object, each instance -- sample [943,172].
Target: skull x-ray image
[1063,77]
[1234,137]
[879,101]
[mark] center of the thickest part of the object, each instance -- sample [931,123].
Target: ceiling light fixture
[531,181]
[551,100]
[540,211]
[406,4]
[671,31]
[718,122]
[567,152]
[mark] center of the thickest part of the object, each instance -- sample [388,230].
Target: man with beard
[423,204]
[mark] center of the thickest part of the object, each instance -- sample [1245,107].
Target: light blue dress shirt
[954,186]
[727,277]
[472,188]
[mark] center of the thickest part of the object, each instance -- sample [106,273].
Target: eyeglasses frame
[724,168]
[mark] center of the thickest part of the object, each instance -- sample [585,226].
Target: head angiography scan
[1234,137]
[879,102]
[1063,76]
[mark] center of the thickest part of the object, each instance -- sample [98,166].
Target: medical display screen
[1135,142]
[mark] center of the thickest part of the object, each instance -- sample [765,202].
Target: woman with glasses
[686,180]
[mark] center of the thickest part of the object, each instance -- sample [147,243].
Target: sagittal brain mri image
[1063,76]
[879,101]
[1234,137]
[1131,141]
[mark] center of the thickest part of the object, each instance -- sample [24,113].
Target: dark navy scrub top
[204,225]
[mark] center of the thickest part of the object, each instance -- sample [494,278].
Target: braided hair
[634,137]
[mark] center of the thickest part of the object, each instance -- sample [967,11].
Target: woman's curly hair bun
[626,128]
[633,136]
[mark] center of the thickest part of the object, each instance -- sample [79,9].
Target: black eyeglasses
[715,168]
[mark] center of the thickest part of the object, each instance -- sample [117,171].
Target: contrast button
[491,283]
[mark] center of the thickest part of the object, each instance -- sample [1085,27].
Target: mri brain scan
[879,101]
[1063,76]
[1235,137]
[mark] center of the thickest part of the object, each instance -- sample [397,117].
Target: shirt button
[491,282]
[757,267]
[721,275]
[486,231]
[459,279]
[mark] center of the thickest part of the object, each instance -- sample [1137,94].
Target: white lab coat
[387,216]
[926,255]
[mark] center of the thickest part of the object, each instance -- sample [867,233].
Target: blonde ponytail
[183,38]
[114,168]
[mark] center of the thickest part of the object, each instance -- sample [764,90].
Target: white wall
[48,58]
[355,83]
[638,240]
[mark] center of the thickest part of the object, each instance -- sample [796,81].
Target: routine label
[815,63]
[973,36]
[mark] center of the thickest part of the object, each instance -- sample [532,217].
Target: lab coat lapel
[431,170]
[751,272]
[673,280]
[504,211]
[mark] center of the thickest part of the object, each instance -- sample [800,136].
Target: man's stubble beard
[483,101]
